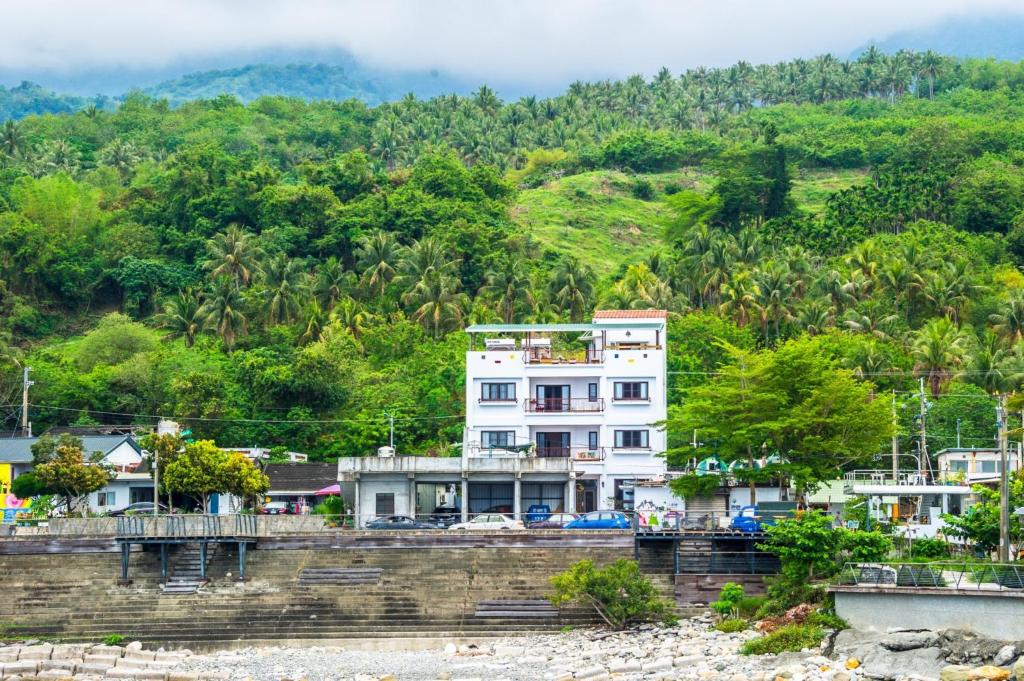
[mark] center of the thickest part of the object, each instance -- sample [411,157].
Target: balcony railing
[545,355]
[548,405]
[576,452]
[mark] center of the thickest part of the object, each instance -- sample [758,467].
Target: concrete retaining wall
[996,614]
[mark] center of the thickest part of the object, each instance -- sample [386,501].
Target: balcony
[563,405]
[574,452]
[545,355]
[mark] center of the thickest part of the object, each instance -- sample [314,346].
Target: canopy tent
[328,491]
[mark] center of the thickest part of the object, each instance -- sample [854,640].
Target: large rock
[1006,655]
[965,647]
[1018,669]
[909,640]
[881,663]
[988,672]
[954,672]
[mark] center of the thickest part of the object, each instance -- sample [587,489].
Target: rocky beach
[692,650]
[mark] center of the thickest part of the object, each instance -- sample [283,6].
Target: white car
[489,521]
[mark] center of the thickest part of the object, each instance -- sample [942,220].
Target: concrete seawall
[996,614]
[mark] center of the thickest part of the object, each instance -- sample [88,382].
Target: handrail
[564,405]
[953,575]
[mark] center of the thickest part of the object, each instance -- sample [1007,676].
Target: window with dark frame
[631,390]
[592,440]
[497,392]
[497,438]
[592,392]
[384,503]
[631,439]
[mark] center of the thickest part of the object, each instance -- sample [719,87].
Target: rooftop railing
[546,355]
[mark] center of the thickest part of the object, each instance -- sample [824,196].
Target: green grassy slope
[597,217]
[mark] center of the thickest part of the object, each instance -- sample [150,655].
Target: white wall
[369,488]
[740,496]
[123,456]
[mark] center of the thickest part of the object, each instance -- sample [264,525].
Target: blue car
[601,520]
[748,520]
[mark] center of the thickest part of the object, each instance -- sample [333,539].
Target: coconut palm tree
[572,287]
[233,254]
[1008,323]
[993,367]
[640,288]
[436,301]
[814,315]
[424,256]
[377,257]
[939,349]
[285,286]
[181,316]
[351,316]
[861,321]
[509,287]
[775,296]
[11,140]
[223,310]
[315,322]
[739,297]
[330,283]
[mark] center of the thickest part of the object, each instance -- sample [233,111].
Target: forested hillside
[284,272]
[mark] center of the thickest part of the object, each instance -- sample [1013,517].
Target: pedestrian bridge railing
[953,575]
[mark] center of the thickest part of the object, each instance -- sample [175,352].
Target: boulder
[988,672]
[909,640]
[954,672]
[964,647]
[1006,655]
[1018,669]
[882,663]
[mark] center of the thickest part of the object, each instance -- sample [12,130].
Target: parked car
[398,522]
[276,508]
[489,521]
[445,516]
[601,520]
[138,508]
[553,521]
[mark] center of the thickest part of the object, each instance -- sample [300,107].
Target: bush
[749,605]
[788,592]
[728,597]
[931,549]
[791,638]
[828,620]
[619,593]
[643,189]
[731,626]
[769,608]
[113,640]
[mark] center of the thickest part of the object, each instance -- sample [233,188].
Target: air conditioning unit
[386,451]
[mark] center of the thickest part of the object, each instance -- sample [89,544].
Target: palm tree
[903,280]
[436,302]
[1008,323]
[930,66]
[509,286]
[121,156]
[315,320]
[331,282]
[815,315]
[377,257]
[424,256]
[640,288]
[233,254]
[860,321]
[739,297]
[572,287]
[939,349]
[181,316]
[351,316]
[223,311]
[775,299]
[284,283]
[11,139]
[993,367]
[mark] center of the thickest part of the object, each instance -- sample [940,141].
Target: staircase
[186,576]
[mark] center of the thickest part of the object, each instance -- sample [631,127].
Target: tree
[164,449]
[1008,322]
[203,469]
[939,350]
[61,466]
[572,287]
[435,302]
[11,140]
[223,311]
[181,316]
[509,287]
[378,256]
[284,282]
[232,254]
[619,593]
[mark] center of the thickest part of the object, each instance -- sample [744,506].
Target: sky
[532,41]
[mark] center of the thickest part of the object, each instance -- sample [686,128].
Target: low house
[974,464]
[15,459]
[298,483]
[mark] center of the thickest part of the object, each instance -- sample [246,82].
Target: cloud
[540,41]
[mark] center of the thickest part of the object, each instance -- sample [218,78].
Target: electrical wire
[240,420]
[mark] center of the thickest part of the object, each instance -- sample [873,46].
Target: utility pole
[924,431]
[26,427]
[895,442]
[958,433]
[1004,484]
[391,427]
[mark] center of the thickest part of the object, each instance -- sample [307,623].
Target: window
[957,466]
[631,439]
[988,467]
[592,392]
[385,503]
[592,440]
[106,498]
[631,390]
[497,392]
[497,438]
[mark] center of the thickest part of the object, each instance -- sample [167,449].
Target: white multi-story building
[594,394]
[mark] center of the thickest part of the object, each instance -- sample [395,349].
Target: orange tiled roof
[630,314]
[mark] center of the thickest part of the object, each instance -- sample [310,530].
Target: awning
[328,491]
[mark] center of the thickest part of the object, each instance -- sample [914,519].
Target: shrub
[671,188]
[619,593]
[770,608]
[643,189]
[731,626]
[113,640]
[728,597]
[749,605]
[931,549]
[791,638]
[827,620]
